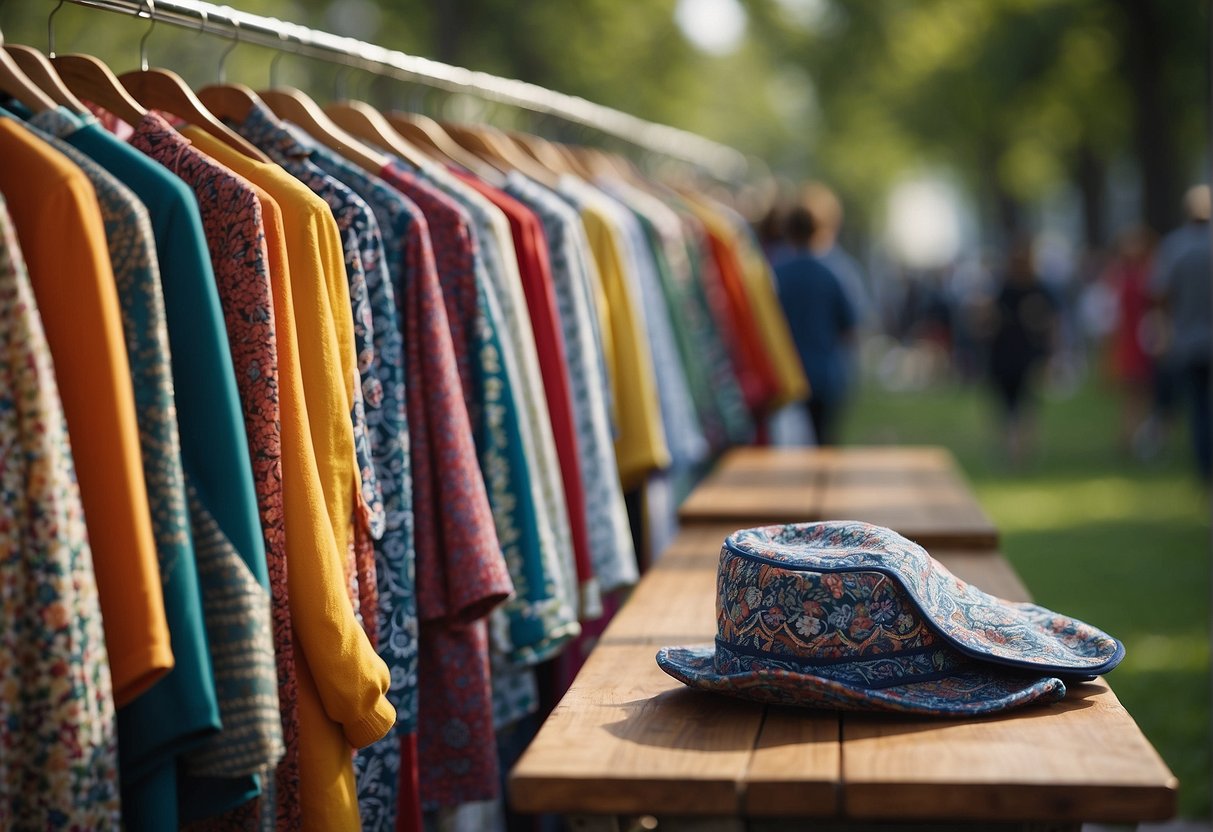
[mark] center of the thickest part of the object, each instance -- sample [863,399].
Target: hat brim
[969,692]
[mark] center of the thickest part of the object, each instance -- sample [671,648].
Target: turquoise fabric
[214,445]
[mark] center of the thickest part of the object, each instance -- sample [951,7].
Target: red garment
[759,381]
[1130,361]
[531,248]
[461,575]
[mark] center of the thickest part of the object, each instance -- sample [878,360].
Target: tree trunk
[1090,175]
[1153,128]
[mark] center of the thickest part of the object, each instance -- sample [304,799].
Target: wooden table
[627,740]
[918,492]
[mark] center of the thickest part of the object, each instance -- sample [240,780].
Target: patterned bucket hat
[853,616]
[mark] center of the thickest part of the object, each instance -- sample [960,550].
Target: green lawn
[1121,544]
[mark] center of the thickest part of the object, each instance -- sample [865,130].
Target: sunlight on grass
[1060,504]
[1187,652]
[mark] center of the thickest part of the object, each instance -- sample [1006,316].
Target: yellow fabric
[342,682]
[54,209]
[759,285]
[640,445]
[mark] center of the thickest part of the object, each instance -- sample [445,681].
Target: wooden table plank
[795,770]
[1082,759]
[919,492]
[629,739]
[671,606]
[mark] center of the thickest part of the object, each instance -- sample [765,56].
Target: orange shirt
[59,225]
[342,682]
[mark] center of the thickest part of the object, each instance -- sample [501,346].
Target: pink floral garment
[58,735]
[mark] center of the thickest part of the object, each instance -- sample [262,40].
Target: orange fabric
[342,682]
[59,225]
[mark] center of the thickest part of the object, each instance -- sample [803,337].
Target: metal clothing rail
[723,161]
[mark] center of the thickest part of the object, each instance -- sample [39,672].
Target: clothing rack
[243,27]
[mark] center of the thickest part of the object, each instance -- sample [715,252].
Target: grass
[1096,534]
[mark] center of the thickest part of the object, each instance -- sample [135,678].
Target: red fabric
[461,574]
[760,383]
[408,810]
[531,248]
[1130,361]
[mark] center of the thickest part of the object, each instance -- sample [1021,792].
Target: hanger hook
[50,29]
[151,15]
[283,48]
[205,19]
[235,24]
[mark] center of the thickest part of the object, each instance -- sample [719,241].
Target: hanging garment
[539,550]
[455,532]
[149,738]
[50,199]
[640,442]
[361,241]
[341,701]
[58,731]
[564,250]
[553,363]
[378,767]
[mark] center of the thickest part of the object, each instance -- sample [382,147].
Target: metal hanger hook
[235,24]
[283,48]
[151,14]
[205,19]
[50,29]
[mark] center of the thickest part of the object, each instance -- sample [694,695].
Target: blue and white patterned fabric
[854,616]
[377,767]
[611,548]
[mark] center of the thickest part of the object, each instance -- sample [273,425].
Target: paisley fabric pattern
[455,533]
[58,733]
[851,615]
[360,241]
[610,538]
[232,222]
[960,693]
[839,566]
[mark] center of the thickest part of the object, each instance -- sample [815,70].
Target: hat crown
[850,592]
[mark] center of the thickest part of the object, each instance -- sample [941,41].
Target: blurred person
[1022,335]
[1180,284]
[1126,277]
[822,319]
[827,213]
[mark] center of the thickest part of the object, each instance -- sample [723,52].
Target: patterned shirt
[360,241]
[378,766]
[610,536]
[232,224]
[58,736]
[455,534]
[147,742]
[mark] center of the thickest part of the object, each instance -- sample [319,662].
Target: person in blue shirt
[1182,284]
[822,318]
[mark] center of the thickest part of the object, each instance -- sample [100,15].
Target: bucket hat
[854,616]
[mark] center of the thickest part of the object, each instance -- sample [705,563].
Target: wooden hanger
[489,143]
[93,81]
[298,108]
[163,89]
[17,84]
[429,135]
[368,124]
[40,70]
[542,151]
[229,102]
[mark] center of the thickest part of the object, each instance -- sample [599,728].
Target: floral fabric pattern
[455,533]
[360,240]
[58,732]
[377,767]
[610,537]
[232,222]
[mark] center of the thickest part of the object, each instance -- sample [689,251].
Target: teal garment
[214,445]
[189,685]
